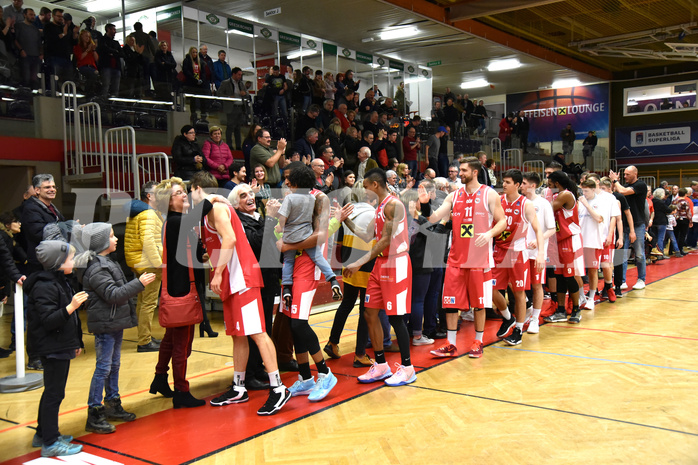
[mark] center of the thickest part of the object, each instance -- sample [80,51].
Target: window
[676,96]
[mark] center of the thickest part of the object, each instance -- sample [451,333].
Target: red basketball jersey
[242,271]
[566,222]
[513,238]
[470,216]
[400,242]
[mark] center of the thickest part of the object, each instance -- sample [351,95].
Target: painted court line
[555,410]
[597,359]
[553,325]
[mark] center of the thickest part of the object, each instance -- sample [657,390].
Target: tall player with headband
[389,285]
[477,217]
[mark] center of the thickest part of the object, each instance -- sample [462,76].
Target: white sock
[274,379]
[478,335]
[452,337]
[536,313]
[239,378]
[519,325]
[506,314]
[592,293]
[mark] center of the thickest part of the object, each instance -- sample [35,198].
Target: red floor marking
[177,436]
[621,332]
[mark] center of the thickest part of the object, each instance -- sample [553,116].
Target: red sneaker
[446,350]
[475,350]
[611,294]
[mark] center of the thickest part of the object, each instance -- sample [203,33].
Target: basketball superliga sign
[667,136]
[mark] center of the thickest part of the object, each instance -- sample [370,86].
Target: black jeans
[681,230]
[255,367]
[55,379]
[340,318]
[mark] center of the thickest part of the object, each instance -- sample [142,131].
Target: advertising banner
[586,108]
[661,143]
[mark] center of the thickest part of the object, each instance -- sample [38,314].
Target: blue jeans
[661,232]
[307,100]
[639,248]
[30,68]
[420,285]
[280,102]
[106,375]
[111,78]
[62,68]
[316,256]
[673,243]
[413,165]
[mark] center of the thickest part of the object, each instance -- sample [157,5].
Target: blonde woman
[330,88]
[195,83]
[86,58]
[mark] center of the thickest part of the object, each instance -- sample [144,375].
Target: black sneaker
[575,317]
[514,338]
[506,327]
[336,290]
[35,365]
[287,296]
[149,347]
[619,293]
[234,395]
[275,401]
[556,317]
[4,353]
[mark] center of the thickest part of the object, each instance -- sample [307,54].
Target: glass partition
[676,96]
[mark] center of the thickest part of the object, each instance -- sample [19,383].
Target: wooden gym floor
[618,388]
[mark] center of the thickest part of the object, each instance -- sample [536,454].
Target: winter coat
[35,216]
[110,306]
[183,153]
[50,329]
[165,66]
[143,240]
[216,155]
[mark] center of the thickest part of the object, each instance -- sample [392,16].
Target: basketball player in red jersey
[389,285]
[569,245]
[237,279]
[477,217]
[511,256]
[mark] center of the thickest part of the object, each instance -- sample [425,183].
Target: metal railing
[534,166]
[496,149]
[90,142]
[150,167]
[119,160]
[511,159]
[651,182]
[70,129]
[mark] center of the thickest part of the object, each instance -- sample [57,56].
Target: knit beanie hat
[52,254]
[95,236]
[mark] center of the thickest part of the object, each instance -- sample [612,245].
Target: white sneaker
[624,286]
[588,305]
[529,312]
[422,341]
[640,284]
[467,316]
[533,327]
[582,299]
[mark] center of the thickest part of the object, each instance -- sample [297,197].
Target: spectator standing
[222,71]
[272,160]
[86,60]
[43,18]
[90,23]
[235,110]
[567,136]
[207,63]
[410,145]
[276,88]
[684,217]
[148,54]
[330,88]
[431,150]
[59,37]
[505,129]
[38,212]
[165,75]
[195,83]
[14,11]
[589,145]
[28,42]
[133,72]
[109,63]
[521,128]
[143,251]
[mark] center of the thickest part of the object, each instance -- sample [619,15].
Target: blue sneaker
[38,441]
[324,385]
[302,388]
[60,448]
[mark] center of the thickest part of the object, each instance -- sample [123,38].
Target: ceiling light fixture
[100,5]
[477,83]
[240,33]
[502,65]
[564,83]
[302,53]
[399,33]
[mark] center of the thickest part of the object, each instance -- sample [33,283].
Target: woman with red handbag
[180,307]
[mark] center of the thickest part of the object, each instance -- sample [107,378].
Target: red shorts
[536,278]
[607,256]
[512,270]
[571,256]
[466,288]
[390,285]
[243,313]
[302,294]
[592,258]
